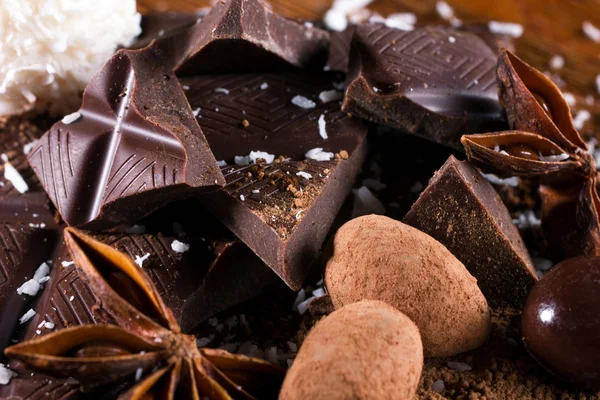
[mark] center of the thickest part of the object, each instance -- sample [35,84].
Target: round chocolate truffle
[377,258]
[366,350]
[561,321]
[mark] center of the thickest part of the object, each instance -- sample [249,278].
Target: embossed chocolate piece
[282,210]
[244,36]
[160,25]
[339,49]
[461,210]
[435,82]
[560,322]
[132,147]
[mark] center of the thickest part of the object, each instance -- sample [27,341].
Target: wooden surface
[552,27]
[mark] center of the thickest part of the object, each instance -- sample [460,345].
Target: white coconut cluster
[50,49]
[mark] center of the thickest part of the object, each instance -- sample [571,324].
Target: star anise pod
[543,143]
[146,343]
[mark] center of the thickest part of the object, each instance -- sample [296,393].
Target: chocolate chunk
[134,146]
[339,49]
[245,35]
[30,385]
[275,124]
[160,25]
[560,322]
[22,250]
[461,210]
[213,274]
[435,82]
[284,210]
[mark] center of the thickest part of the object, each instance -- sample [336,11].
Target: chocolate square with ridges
[461,210]
[436,82]
[134,146]
[245,36]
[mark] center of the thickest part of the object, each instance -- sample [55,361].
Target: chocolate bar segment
[245,36]
[161,25]
[435,82]
[461,210]
[134,146]
[282,210]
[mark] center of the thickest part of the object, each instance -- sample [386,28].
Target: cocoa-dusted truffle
[378,258]
[366,350]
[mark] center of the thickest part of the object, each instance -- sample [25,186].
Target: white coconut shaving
[366,203]
[322,127]
[27,316]
[303,174]
[303,102]
[513,181]
[6,375]
[591,31]
[597,85]
[13,176]
[70,118]
[506,28]
[33,286]
[557,62]
[179,247]
[570,98]
[330,95]
[401,21]
[318,154]
[140,260]
[336,18]
[554,157]
[51,49]
[581,118]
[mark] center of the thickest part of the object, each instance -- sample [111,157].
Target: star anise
[146,344]
[544,144]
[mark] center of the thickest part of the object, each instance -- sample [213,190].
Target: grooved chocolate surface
[276,125]
[134,148]
[461,210]
[435,82]
[245,35]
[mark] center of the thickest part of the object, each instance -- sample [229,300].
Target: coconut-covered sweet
[377,258]
[365,350]
[51,49]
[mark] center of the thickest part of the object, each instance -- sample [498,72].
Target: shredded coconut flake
[303,102]
[221,90]
[322,127]
[52,50]
[300,297]
[68,119]
[222,163]
[401,21]
[591,31]
[303,307]
[597,86]
[527,219]
[255,155]
[196,112]
[12,175]
[67,263]
[318,154]
[29,146]
[366,203]
[513,181]
[327,96]
[444,10]
[27,316]
[569,98]
[242,198]
[241,160]
[30,288]
[138,374]
[506,28]
[459,366]
[303,174]
[6,375]
[179,247]
[554,157]
[140,260]
[580,118]
[49,325]
[557,62]
[264,86]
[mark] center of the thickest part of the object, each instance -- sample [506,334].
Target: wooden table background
[552,27]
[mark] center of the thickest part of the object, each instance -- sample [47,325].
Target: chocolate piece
[339,49]
[160,25]
[30,385]
[461,210]
[280,214]
[244,36]
[560,323]
[22,250]
[435,82]
[134,147]
[214,274]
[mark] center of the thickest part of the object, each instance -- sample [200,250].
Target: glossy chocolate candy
[561,321]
